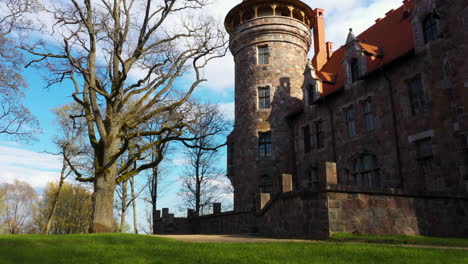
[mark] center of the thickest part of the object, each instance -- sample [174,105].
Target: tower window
[319,134]
[264,144]
[416,96]
[351,121]
[365,171]
[310,93]
[430,28]
[266,185]
[306,132]
[263,55]
[264,97]
[354,70]
[369,117]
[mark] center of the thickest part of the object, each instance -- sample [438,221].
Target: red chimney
[320,47]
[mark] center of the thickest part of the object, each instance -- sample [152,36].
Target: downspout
[395,129]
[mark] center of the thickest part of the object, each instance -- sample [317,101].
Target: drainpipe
[395,129]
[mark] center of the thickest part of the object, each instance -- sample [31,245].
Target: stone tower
[270,41]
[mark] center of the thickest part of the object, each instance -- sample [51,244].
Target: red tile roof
[390,37]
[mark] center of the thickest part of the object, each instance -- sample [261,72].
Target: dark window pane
[263,55]
[424,148]
[354,70]
[264,144]
[264,97]
[365,171]
[369,117]
[266,185]
[416,96]
[351,122]
[430,29]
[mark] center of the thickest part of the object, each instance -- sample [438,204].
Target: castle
[371,138]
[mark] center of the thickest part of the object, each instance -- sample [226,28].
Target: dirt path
[253,239]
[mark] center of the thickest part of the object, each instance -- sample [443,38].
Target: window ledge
[264,158]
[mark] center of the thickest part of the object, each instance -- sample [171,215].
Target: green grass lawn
[415,240]
[134,249]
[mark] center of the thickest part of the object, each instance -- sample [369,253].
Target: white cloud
[35,168]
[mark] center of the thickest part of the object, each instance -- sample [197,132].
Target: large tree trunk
[102,219]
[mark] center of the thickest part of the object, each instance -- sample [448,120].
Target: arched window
[365,171]
[354,70]
[266,185]
[430,28]
[265,11]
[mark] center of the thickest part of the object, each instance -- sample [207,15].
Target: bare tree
[72,146]
[20,204]
[125,200]
[200,181]
[15,119]
[119,51]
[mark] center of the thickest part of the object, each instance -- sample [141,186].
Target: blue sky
[27,163]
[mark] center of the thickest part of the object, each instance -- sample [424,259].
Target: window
[434,180]
[351,121]
[264,97]
[369,117]
[365,171]
[306,133]
[266,186]
[264,144]
[319,134]
[416,96]
[263,55]
[310,93]
[313,175]
[424,148]
[430,29]
[354,70]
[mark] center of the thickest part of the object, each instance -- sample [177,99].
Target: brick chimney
[320,47]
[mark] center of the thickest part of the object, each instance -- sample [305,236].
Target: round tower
[270,41]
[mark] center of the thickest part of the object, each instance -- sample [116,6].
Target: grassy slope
[415,240]
[133,249]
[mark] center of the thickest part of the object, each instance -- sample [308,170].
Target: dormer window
[263,55]
[354,70]
[430,29]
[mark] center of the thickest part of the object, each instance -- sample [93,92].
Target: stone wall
[384,214]
[224,223]
[295,215]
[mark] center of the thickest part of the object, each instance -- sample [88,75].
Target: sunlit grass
[415,240]
[130,249]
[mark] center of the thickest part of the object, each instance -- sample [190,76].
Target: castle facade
[369,138]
